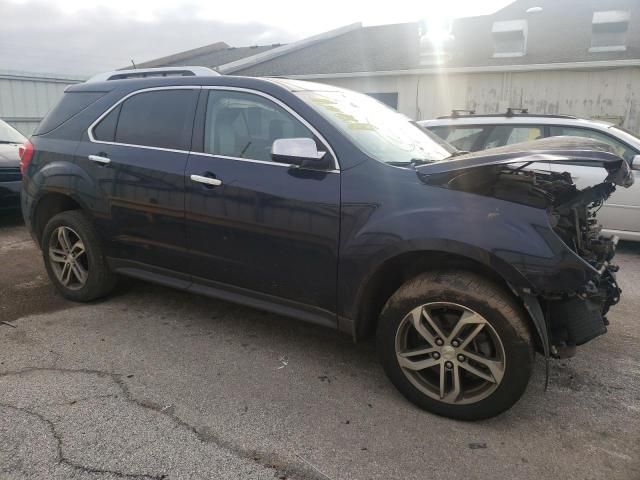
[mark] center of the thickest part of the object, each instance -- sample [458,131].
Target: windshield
[9,134]
[380,132]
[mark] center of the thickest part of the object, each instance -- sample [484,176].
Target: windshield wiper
[412,163]
[9,142]
[458,153]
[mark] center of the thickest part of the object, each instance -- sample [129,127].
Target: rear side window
[502,135]
[106,129]
[162,119]
[71,104]
[463,138]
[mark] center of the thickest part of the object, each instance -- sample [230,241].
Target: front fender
[458,248]
[494,260]
[514,241]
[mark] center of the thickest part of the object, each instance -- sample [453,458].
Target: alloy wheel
[68,258]
[450,353]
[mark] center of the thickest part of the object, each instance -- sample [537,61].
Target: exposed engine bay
[574,318]
[516,174]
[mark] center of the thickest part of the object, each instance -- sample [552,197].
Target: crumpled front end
[575,317]
[567,312]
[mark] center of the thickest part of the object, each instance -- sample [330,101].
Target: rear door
[263,226]
[136,154]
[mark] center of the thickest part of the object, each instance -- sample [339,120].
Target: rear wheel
[74,258]
[456,344]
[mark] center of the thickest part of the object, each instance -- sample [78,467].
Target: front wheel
[74,258]
[456,344]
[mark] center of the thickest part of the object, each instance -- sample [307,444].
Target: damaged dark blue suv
[323,204]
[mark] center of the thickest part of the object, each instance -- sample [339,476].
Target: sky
[83,37]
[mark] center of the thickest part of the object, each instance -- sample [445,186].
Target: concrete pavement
[155,383]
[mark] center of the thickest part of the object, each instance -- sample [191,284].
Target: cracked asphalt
[153,383]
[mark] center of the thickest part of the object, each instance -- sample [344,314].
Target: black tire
[500,310]
[100,280]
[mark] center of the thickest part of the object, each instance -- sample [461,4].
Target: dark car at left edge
[10,177]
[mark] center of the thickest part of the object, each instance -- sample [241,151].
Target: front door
[137,156]
[264,227]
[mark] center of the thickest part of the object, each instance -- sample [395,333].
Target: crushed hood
[553,149]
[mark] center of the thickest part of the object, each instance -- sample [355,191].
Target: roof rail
[510,113]
[456,112]
[154,72]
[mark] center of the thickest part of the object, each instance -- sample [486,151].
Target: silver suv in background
[620,215]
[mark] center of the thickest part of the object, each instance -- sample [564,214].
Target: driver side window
[245,125]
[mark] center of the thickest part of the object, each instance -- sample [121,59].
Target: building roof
[211,56]
[365,49]
[559,33]
[41,77]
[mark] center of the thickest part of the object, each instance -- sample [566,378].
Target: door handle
[100,159]
[206,180]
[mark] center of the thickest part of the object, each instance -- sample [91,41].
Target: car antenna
[134,65]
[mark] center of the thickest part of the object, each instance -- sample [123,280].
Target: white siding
[612,94]
[25,98]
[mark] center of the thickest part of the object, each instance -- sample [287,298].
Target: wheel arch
[49,204]
[391,274]
[56,187]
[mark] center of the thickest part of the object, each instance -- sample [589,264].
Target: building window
[509,38]
[390,99]
[609,31]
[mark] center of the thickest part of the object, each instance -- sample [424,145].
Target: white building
[25,98]
[579,57]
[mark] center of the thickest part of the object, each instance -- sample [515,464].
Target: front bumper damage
[575,320]
[569,297]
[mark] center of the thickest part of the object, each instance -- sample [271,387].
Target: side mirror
[635,163]
[302,152]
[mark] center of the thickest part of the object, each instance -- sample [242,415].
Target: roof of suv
[530,119]
[519,119]
[204,80]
